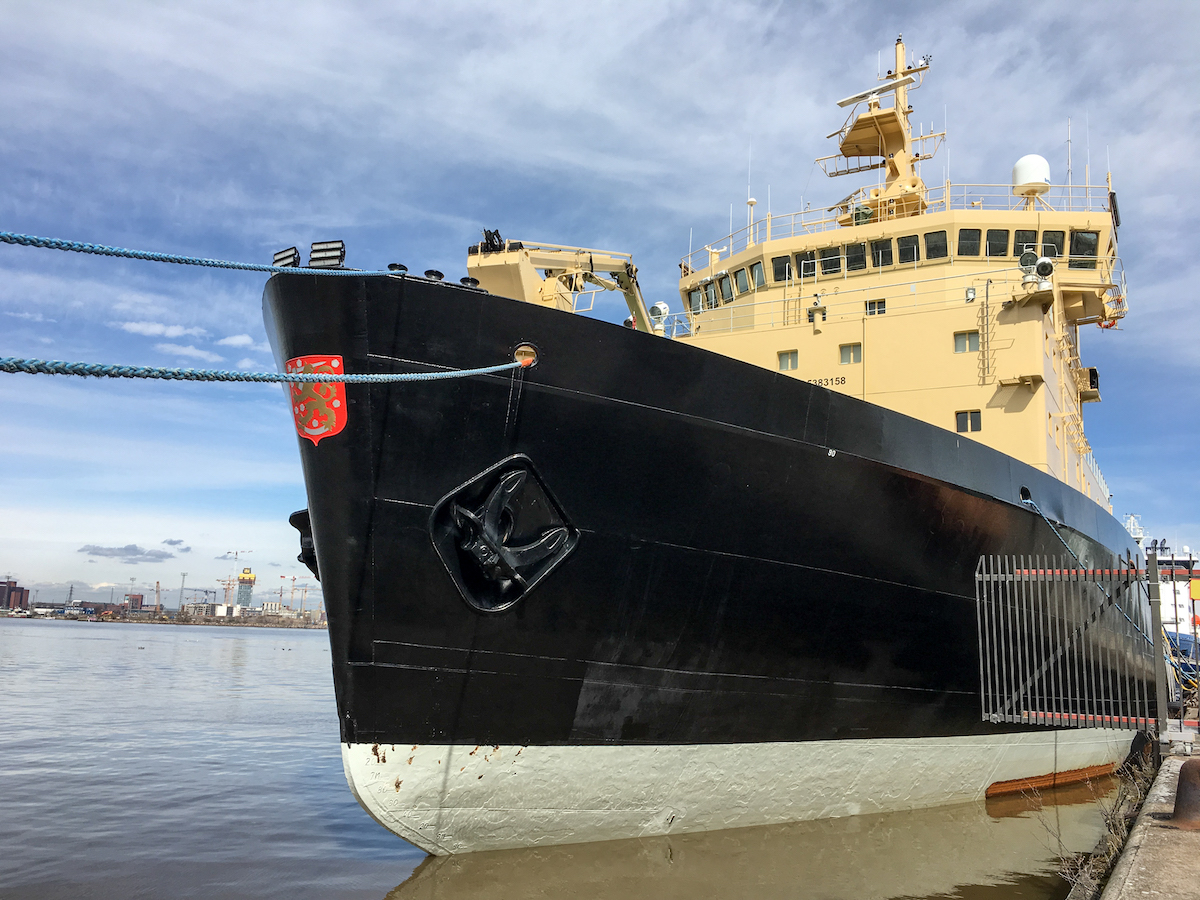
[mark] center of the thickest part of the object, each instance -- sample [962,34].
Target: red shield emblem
[318,407]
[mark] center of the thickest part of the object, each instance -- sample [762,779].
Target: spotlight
[469,281]
[288,258]
[397,267]
[434,275]
[970,295]
[327,255]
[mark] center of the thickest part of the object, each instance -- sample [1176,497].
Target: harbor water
[193,761]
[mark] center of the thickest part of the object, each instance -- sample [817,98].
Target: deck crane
[511,269]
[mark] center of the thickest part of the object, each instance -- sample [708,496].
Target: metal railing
[1063,646]
[939,198]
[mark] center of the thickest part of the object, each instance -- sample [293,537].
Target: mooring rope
[1114,604]
[100,370]
[30,240]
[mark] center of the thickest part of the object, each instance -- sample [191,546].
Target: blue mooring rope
[1038,510]
[29,240]
[101,370]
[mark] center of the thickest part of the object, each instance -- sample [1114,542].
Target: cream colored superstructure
[911,297]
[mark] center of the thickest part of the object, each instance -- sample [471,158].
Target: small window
[968,420]
[881,253]
[1024,240]
[936,246]
[856,257]
[806,263]
[1053,243]
[726,287]
[743,283]
[831,260]
[910,249]
[788,360]
[876,307]
[851,353]
[781,268]
[968,241]
[757,275]
[966,341]
[694,300]
[1083,249]
[710,295]
[997,242]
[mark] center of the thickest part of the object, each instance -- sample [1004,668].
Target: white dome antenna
[1031,176]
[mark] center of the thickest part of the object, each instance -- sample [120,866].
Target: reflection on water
[1004,849]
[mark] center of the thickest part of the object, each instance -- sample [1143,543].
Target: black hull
[752,559]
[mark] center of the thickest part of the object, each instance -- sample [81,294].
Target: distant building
[200,610]
[134,601]
[13,597]
[272,608]
[245,587]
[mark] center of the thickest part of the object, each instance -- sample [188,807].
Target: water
[192,761]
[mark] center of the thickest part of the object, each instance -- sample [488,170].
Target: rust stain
[410,759]
[398,783]
[473,752]
[477,779]
[518,753]
[463,769]
[383,756]
[375,750]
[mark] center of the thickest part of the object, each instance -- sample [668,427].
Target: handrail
[939,198]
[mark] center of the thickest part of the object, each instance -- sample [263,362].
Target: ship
[718,567]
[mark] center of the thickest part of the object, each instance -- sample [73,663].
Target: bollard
[1187,797]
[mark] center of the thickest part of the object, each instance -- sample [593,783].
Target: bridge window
[876,307]
[909,247]
[806,263]
[743,283]
[936,246]
[1052,243]
[968,241]
[726,289]
[997,242]
[851,353]
[856,257]
[881,252]
[694,300]
[710,295]
[1024,240]
[968,420]
[1083,249]
[757,276]
[831,260]
[781,268]
[966,341]
[788,360]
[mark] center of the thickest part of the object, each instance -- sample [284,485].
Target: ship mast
[881,138]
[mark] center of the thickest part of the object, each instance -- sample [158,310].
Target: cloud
[189,351]
[158,329]
[130,553]
[173,542]
[276,565]
[237,340]
[30,317]
[246,363]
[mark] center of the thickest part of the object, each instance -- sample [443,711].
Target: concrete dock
[1159,859]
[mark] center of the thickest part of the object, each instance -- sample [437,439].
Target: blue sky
[232,130]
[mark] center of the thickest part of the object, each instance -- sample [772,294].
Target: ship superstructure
[957,304]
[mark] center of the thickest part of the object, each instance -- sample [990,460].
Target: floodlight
[327,255]
[286,258]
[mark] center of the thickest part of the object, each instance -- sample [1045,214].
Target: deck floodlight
[434,275]
[469,281]
[970,295]
[286,258]
[1027,261]
[327,255]
[397,267]
[1045,267]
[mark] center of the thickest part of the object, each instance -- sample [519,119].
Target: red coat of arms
[318,407]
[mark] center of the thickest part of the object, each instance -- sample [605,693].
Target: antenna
[1087,142]
[876,91]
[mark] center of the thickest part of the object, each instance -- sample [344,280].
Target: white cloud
[237,340]
[189,351]
[158,329]
[30,317]
[246,363]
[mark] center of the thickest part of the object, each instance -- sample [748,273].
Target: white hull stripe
[461,798]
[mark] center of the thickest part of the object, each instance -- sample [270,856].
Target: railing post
[1160,662]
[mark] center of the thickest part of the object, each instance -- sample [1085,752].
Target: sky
[232,130]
